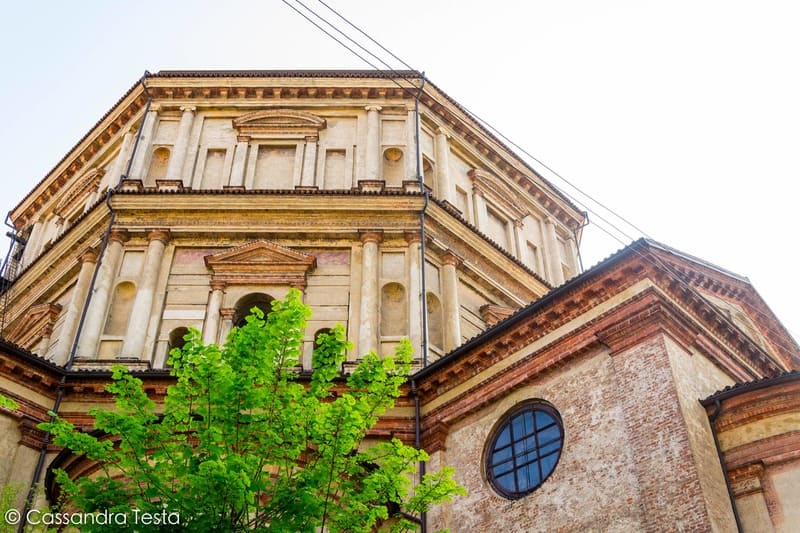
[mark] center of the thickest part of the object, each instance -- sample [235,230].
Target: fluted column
[119,166]
[178,155]
[211,322]
[145,142]
[368,329]
[373,143]
[414,240]
[445,191]
[227,314]
[519,239]
[481,214]
[309,162]
[239,161]
[411,145]
[73,312]
[552,255]
[96,313]
[572,244]
[452,315]
[133,345]
[34,241]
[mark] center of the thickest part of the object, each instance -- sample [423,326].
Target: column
[61,353]
[98,304]
[239,161]
[481,215]
[368,329]
[211,321]
[309,162]
[446,190]
[145,142]
[373,143]
[32,247]
[133,345]
[411,145]
[120,163]
[178,155]
[452,315]
[552,255]
[227,315]
[574,257]
[519,239]
[414,240]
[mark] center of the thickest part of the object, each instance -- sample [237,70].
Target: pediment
[493,187]
[261,262]
[83,188]
[284,123]
[36,323]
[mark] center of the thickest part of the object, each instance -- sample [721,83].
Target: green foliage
[7,402]
[243,443]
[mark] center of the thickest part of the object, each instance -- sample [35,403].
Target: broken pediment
[279,123]
[261,263]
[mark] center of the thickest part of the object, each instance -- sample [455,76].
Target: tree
[246,442]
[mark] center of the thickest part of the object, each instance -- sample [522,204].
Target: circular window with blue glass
[524,449]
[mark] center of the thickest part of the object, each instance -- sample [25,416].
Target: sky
[683,117]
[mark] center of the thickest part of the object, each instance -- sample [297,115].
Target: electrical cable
[495,131]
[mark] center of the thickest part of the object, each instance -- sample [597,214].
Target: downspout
[70,359]
[712,419]
[423,522]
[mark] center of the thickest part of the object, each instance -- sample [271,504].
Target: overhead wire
[499,134]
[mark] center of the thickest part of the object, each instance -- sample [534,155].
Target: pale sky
[683,116]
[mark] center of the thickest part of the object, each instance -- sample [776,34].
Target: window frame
[507,421]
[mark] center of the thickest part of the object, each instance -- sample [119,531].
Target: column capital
[242,138]
[373,108]
[477,190]
[311,138]
[449,258]
[218,285]
[162,235]
[227,313]
[154,108]
[89,255]
[443,132]
[119,235]
[371,236]
[549,220]
[412,237]
[188,108]
[518,223]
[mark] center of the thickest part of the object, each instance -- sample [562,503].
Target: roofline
[750,386]
[529,310]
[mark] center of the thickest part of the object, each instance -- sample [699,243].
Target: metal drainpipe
[423,522]
[68,365]
[712,419]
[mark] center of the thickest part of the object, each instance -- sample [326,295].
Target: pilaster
[368,328]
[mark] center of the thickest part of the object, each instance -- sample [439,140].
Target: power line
[498,133]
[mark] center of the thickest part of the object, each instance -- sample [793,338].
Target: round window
[524,449]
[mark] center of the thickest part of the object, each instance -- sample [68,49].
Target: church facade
[652,391]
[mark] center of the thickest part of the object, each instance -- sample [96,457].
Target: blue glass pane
[501,455]
[522,424]
[549,463]
[548,435]
[525,445]
[502,468]
[522,479]
[550,448]
[504,438]
[507,482]
[543,419]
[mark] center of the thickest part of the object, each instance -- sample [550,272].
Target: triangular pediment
[36,323]
[279,123]
[261,262]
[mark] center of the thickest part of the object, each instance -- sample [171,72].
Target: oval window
[524,449]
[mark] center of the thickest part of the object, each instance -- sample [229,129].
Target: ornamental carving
[279,123]
[36,324]
[77,195]
[261,263]
[503,196]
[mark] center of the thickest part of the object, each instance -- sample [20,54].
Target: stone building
[566,400]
